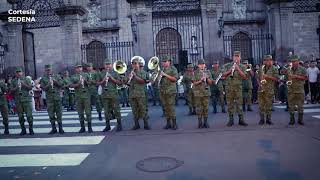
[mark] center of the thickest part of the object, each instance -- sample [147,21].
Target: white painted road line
[311,110]
[75,112]
[316,117]
[305,105]
[16,123]
[54,141]
[66,129]
[34,160]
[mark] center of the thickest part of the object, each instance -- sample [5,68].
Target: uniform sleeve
[175,73]
[275,73]
[42,83]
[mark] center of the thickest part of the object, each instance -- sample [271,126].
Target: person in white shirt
[313,73]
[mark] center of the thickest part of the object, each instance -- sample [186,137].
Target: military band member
[141,64]
[247,87]
[187,81]
[167,84]
[234,73]
[93,89]
[109,80]
[267,76]
[217,90]
[51,84]
[4,107]
[80,82]
[68,92]
[201,89]
[137,95]
[20,87]
[296,76]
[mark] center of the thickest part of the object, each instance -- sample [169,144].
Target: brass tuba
[154,65]
[120,67]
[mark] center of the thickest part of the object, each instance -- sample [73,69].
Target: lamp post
[220,23]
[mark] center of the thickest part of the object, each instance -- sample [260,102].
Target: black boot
[241,121]
[146,125]
[128,105]
[53,128]
[82,129]
[194,112]
[243,107]
[249,108]
[214,109]
[123,105]
[292,121]
[168,125]
[136,125]
[61,131]
[31,128]
[154,103]
[119,126]
[199,123]
[174,124]
[90,127]
[6,129]
[223,109]
[300,119]
[100,116]
[23,129]
[230,122]
[190,111]
[107,128]
[205,123]
[261,122]
[268,121]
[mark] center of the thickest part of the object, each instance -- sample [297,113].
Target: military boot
[244,107]
[241,121]
[154,103]
[174,124]
[223,109]
[194,112]
[107,128]
[268,121]
[128,105]
[136,124]
[261,122]
[100,116]
[230,122]
[82,129]
[190,111]
[199,123]
[23,129]
[119,125]
[214,109]
[6,129]
[249,107]
[146,125]
[53,128]
[90,127]
[61,131]
[168,125]
[292,121]
[31,128]
[205,123]
[300,119]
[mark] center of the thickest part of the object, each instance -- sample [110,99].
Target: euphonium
[120,67]
[263,81]
[153,65]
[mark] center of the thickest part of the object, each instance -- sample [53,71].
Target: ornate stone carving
[239,9]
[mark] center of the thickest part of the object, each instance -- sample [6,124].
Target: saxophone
[107,79]
[51,81]
[82,81]
[263,81]
[289,69]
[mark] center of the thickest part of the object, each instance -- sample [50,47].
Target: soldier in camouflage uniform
[201,89]
[234,73]
[93,89]
[187,81]
[137,95]
[80,82]
[20,88]
[51,84]
[141,64]
[247,87]
[109,80]
[217,91]
[4,107]
[297,75]
[168,78]
[155,95]
[68,92]
[267,75]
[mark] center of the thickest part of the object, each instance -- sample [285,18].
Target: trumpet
[263,81]
[289,82]
[233,69]
[81,81]
[19,84]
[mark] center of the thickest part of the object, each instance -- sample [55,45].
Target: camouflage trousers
[191,99]
[247,97]
[69,99]
[96,101]
[4,113]
[138,107]
[54,109]
[234,100]
[168,104]
[202,106]
[265,102]
[295,99]
[24,107]
[217,96]
[83,106]
[111,105]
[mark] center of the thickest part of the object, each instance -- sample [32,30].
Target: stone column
[281,27]
[71,29]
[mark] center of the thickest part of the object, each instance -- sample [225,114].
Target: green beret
[78,65]
[190,66]
[89,65]
[18,69]
[48,66]
[235,53]
[295,58]
[107,61]
[201,61]
[266,57]
[166,58]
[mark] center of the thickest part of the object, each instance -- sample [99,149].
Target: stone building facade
[71,31]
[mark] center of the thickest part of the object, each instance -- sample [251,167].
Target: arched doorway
[168,43]
[96,53]
[242,42]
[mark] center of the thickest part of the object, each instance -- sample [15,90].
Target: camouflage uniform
[4,107]
[167,96]
[82,97]
[68,93]
[217,92]
[23,100]
[247,91]
[187,81]
[54,107]
[93,90]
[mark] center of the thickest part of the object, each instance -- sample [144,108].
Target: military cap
[89,65]
[135,60]
[295,58]
[267,57]
[166,58]
[48,66]
[107,61]
[201,61]
[190,66]
[78,65]
[18,69]
[236,53]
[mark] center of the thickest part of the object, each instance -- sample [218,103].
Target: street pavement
[278,152]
